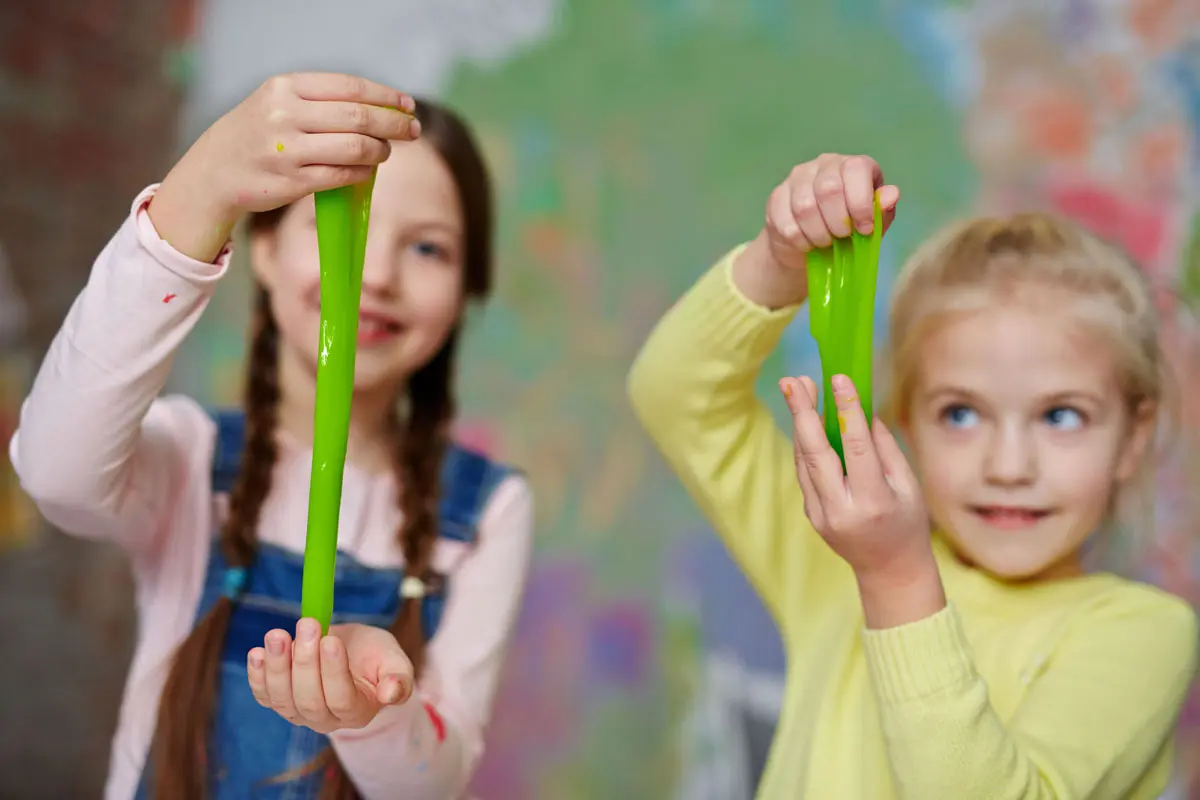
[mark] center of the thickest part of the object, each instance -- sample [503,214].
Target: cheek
[940,462]
[298,263]
[1083,475]
[436,300]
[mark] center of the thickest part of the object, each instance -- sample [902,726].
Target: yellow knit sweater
[1066,689]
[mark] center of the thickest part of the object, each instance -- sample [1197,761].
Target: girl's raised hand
[295,135]
[328,683]
[820,200]
[873,515]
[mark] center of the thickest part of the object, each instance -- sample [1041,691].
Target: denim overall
[255,753]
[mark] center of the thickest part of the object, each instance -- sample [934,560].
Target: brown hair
[420,426]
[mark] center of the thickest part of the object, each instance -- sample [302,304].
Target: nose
[1011,458]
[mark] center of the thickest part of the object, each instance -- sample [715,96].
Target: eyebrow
[435,225]
[1065,397]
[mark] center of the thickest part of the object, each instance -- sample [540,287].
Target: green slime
[841,296]
[342,217]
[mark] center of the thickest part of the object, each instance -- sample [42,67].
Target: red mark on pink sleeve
[169,297]
[439,725]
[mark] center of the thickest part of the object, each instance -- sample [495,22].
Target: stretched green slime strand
[841,296]
[342,217]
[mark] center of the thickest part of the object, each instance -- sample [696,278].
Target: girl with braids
[230,695]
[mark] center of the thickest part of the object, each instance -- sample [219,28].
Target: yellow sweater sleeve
[692,388]
[1092,724]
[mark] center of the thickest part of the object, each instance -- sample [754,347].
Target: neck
[368,447]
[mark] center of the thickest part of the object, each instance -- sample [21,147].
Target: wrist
[191,214]
[764,280]
[901,594]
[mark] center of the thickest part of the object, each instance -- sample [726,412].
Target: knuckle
[342,707]
[277,85]
[827,185]
[339,176]
[354,87]
[860,162]
[358,117]
[356,148]
[835,522]
[804,201]
[811,461]
[310,707]
[856,447]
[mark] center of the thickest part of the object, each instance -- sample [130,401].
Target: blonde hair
[977,263]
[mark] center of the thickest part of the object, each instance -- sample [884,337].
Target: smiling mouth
[374,326]
[1010,516]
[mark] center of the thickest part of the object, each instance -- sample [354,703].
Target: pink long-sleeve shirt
[105,457]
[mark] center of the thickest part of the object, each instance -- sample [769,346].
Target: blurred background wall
[632,142]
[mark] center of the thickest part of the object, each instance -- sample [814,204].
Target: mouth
[1011,517]
[375,327]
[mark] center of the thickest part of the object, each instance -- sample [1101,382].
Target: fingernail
[865,227]
[414,128]
[274,645]
[391,692]
[786,387]
[308,630]
[408,104]
[256,659]
[841,383]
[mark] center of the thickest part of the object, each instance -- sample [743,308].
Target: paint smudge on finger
[279,147]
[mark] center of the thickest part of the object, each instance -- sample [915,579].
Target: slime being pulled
[342,216]
[841,298]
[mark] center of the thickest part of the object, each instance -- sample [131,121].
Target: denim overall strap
[255,752]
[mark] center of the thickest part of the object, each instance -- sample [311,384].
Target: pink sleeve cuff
[197,272]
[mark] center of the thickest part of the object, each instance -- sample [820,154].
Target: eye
[427,249]
[1064,418]
[959,416]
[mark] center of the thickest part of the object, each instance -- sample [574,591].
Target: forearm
[82,422]
[693,389]
[943,738]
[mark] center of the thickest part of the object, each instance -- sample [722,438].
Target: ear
[264,259]
[1137,440]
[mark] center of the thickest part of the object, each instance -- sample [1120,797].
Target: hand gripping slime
[342,216]
[841,297]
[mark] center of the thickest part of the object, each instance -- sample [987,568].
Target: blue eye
[1064,418]
[430,250]
[960,416]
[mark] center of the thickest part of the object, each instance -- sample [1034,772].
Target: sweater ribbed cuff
[726,322]
[923,658]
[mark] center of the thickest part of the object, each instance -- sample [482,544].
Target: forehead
[1017,352]
[415,184]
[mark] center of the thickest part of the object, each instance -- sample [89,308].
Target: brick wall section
[87,117]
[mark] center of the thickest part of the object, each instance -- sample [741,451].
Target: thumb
[395,675]
[889,196]
[394,689]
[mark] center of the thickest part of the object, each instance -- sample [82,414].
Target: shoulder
[1143,624]
[496,495]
